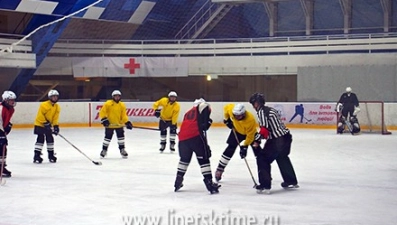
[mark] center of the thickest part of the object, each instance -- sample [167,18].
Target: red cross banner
[130,66]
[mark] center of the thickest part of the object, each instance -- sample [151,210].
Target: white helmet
[116,92]
[7,95]
[348,89]
[172,94]
[52,93]
[198,101]
[239,109]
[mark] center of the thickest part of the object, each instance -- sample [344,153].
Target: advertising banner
[136,111]
[308,113]
[290,113]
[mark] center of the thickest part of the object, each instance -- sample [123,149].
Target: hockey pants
[276,149]
[200,148]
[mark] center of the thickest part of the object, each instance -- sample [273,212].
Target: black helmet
[257,97]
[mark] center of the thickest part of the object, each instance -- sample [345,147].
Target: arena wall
[85,114]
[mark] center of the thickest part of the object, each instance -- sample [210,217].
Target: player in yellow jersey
[114,117]
[167,109]
[46,124]
[243,125]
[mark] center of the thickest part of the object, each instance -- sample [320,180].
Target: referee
[277,146]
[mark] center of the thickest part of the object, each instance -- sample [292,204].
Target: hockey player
[277,146]
[46,124]
[193,139]
[348,106]
[241,123]
[167,109]
[6,111]
[113,116]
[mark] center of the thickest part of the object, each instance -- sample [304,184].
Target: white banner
[306,113]
[130,66]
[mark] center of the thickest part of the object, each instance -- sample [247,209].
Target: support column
[308,10]
[346,6]
[387,14]
[271,10]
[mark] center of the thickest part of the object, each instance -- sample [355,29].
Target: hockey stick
[345,122]
[349,126]
[137,127]
[146,128]
[308,120]
[2,181]
[96,163]
[338,116]
[245,160]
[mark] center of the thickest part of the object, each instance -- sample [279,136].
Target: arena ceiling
[163,19]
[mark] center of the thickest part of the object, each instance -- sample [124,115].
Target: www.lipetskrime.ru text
[212,218]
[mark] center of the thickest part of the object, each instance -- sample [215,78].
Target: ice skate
[178,183]
[172,146]
[162,147]
[37,157]
[6,173]
[289,185]
[51,157]
[212,187]
[262,190]
[103,153]
[123,153]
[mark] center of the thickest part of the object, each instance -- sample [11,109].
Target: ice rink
[343,179]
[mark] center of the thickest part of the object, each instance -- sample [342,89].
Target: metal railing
[327,44]
[316,44]
[197,20]
[6,41]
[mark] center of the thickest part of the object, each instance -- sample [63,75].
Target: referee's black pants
[276,149]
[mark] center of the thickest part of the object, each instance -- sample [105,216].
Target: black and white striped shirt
[268,117]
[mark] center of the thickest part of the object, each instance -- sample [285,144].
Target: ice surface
[344,179]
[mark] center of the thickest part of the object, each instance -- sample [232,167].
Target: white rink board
[87,112]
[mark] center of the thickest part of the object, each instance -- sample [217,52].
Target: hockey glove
[338,107]
[243,151]
[47,125]
[258,137]
[208,125]
[228,123]
[257,141]
[7,129]
[56,129]
[264,132]
[105,122]
[129,125]
[157,113]
[356,110]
